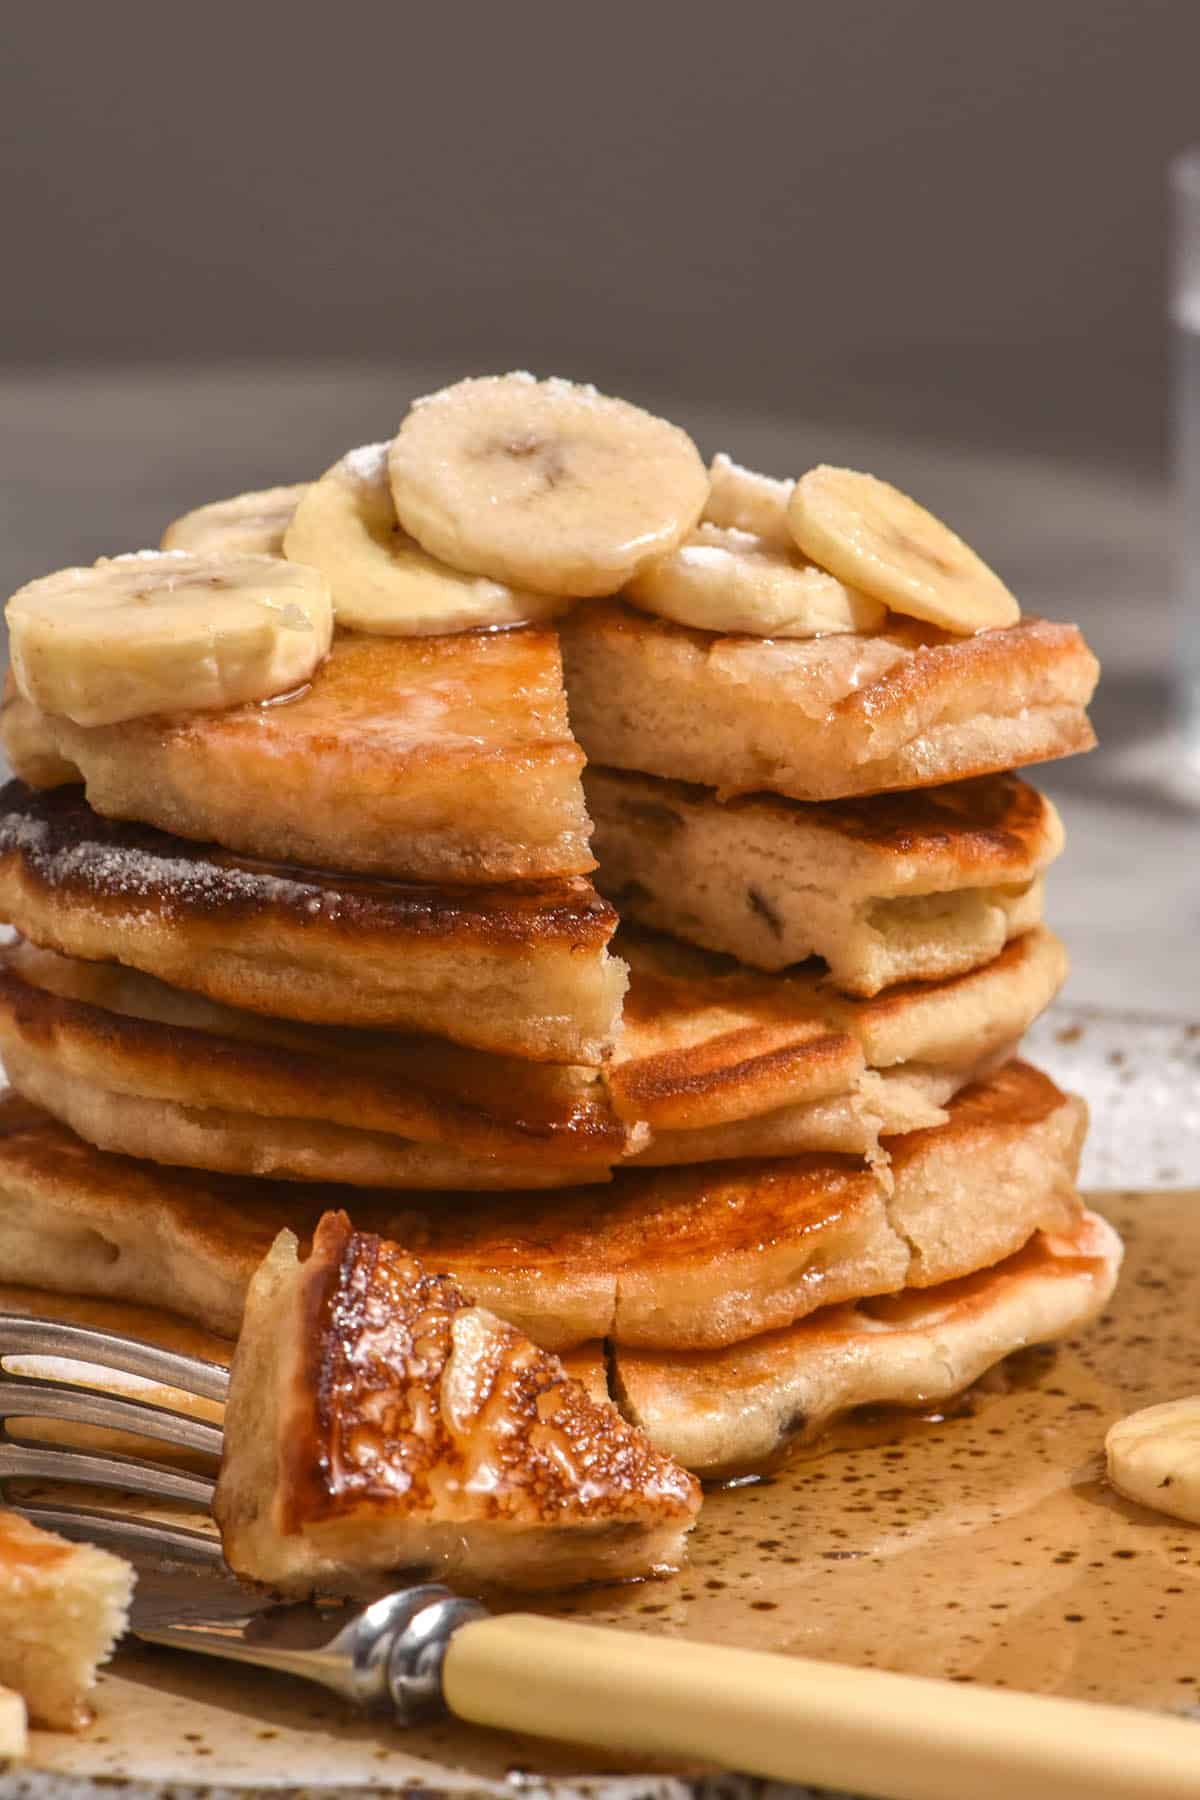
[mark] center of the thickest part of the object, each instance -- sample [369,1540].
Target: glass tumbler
[1184,302]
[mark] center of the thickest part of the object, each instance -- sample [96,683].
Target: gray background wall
[943,215]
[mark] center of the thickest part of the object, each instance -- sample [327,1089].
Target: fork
[423,1650]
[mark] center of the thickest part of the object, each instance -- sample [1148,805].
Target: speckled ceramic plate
[983,1547]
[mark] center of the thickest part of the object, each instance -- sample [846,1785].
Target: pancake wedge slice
[820,719]
[733,1409]
[444,759]
[520,968]
[377,1420]
[897,887]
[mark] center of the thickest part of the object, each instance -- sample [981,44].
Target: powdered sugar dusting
[134,872]
[368,463]
[144,556]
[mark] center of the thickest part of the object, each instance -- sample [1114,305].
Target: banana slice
[543,483]
[160,631]
[739,498]
[877,539]
[1154,1458]
[382,580]
[729,581]
[247,525]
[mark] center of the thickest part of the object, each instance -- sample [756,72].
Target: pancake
[857,1123]
[898,887]
[672,1259]
[436,758]
[714,1062]
[707,1044]
[377,1420]
[97,1026]
[730,1410]
[823,718]
[63,1608]
[521,968]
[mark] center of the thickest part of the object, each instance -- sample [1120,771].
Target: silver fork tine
[124,1532]
[31,1396]
[32,1462]
[37,1398]
[108,1349]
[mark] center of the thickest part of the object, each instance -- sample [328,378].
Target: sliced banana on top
[382,580]
[730,581]
[246,525]
[1154,1457]
[746,501]
[160,631]
[544,483]
[877,539]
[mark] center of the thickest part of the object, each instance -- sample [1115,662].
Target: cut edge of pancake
[883,889]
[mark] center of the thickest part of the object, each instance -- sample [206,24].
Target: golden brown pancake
[521,968]
[672,1258]
[725,1411]
[714,1062]
[106,1028]
[823,718]
[708,1044]
[897,887]
[377,1420]
[438,758]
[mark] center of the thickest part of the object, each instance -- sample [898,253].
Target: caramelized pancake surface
[709,1043]
[520,969]
[896,887]
[675,1258]
[447,759]
[377,1420]
[823,718]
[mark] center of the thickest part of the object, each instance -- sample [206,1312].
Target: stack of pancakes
[760,1155]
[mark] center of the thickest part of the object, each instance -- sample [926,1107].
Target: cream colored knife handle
[898,1737]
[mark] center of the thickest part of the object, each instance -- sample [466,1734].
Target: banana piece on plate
[1154,1458]
[546,484]
[746,501]
[160,631]
[729,581]
[246,525]
[382,580]
[875,538]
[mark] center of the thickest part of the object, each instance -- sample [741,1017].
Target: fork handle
[895,1737]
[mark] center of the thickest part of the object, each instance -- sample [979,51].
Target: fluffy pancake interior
[892,888]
